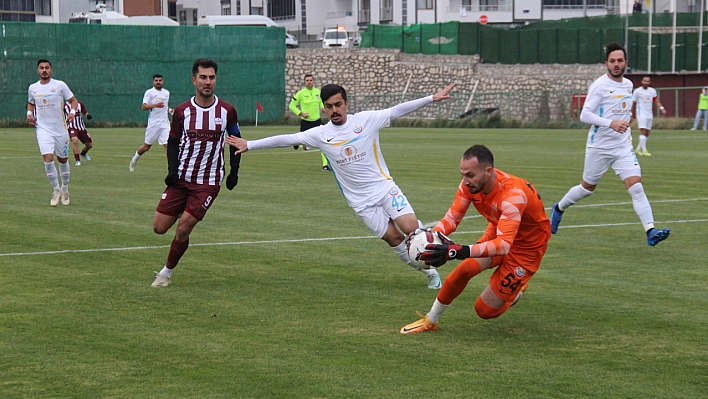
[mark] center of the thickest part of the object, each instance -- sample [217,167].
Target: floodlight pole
[651,18]
[673,41]
[700,35]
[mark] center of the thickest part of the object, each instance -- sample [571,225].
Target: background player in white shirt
[45,111]
[643,110]
[608,109]
[351,145]
[155,100]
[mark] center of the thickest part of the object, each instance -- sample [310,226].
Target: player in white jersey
[645,100]
[45,111]
[351,145]
[155,100]
[608,109]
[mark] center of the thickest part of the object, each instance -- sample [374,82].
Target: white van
[336,38]
[244,20]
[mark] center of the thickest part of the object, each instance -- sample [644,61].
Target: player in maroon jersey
[77,132]
[195,158]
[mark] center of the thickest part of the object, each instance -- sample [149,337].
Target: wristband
[30,113]
[73,112]
[661,108]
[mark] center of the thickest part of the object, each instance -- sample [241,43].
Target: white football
[416,246]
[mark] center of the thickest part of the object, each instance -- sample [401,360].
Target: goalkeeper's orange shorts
[513,271]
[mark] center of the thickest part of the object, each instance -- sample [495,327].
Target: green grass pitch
[284,293]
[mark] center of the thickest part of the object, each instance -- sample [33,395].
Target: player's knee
[159,229]
[485,311]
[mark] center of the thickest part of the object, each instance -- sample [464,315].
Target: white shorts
[51,144]
[376,216]
[644,123]
[157,132]
[598,160]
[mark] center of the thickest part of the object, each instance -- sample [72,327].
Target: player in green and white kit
[351,143]
[45,111]
[310,103]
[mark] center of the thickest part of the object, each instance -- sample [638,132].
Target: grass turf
[285,293]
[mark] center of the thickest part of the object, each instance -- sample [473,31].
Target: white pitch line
[215,244]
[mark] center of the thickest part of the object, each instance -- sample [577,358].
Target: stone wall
[377,78]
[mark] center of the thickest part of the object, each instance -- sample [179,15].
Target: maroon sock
[76,156]
[177,249]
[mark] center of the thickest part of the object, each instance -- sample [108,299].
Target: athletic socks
[642,143]
[65,174]
[401,251]
[177,249]
[436,311]
[166,272]
[135,157]
[52,175]
[641,206]
[76,157]
[573,195]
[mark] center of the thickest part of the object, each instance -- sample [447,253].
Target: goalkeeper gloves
[437,255]
[88,116]
[232,180]
[171,179]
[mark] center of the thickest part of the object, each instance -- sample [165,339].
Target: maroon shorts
[82,135]
[194,199]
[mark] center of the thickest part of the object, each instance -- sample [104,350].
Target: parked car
[336,38]
[291,41]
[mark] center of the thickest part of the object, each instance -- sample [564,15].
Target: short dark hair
[480,152]
[308,75]
[157,75]
[328,91]
[204,63]
[614,46]
[41,60]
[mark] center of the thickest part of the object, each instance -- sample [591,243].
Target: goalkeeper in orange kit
[514,242]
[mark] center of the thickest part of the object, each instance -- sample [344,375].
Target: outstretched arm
[410,106]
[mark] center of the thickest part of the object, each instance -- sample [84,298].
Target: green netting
[411,39]
[110,67]
[566,41]
[385,36]
[441,38]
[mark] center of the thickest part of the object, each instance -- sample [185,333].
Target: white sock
[641,206]
[573,195]
[436,311]
[65,174]
[402,252]
[135,157]
[643,142]
[166,272]
[52,175]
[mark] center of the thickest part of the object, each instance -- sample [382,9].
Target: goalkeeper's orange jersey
[515,213]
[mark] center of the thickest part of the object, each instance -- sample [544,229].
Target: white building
[314,16]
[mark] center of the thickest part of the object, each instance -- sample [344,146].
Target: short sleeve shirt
[49,100]
[645,101]
[157,116]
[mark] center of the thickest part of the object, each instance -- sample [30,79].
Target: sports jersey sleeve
[308,137]
[513,204]
[177,123]
[294,103]
[457,211]
[147,97]
[66,92]
[30,98]
[407,107]
[588,115]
